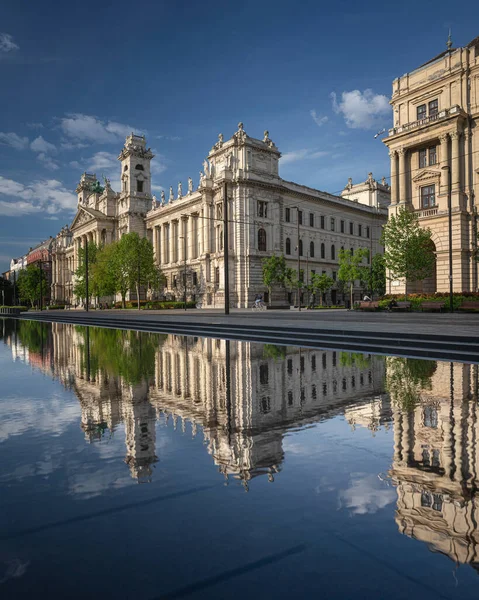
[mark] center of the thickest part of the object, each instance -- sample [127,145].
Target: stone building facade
[369,192]
[103,215]
[436,112]
[187,228]
[263,213]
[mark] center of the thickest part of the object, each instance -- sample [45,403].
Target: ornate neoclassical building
[266,215]
[436,112]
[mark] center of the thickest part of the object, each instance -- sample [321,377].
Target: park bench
[368,305]
[406,306]
[470,305]
[433,306]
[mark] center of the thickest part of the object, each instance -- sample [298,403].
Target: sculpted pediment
[81,218]
[427,175]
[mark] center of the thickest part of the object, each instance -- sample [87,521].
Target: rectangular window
[322,222]
[367,232]
[333,224]
[300,217]
[313,272]
[351,228]
[173,284]
[433,107]
[342,226]
[422,158]
[311,219]
[262,209]
[323,272]
[428,196]
[334,275]
[287,215]
[217,275]
[139,186]
[421,112]
[432,156]
[360,230]
[195,278]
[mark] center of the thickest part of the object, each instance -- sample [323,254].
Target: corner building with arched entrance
[436,113]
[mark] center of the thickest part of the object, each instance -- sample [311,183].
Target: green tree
[321,284]
[351,268]
[79,288]
[407,379]
[290,279]
[274,269]
[134,264]
[375,276]
[103,271]
[31,283]
[408,254]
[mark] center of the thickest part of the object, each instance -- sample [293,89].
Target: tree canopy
[351,268]
[31,283]
[322,284]
[408,251]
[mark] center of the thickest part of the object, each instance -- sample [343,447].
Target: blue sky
[77,77]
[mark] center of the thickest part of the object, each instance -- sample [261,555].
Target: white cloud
[366,495]
[73,145]
[362,110]
[46,195]
[47,161]
[75,164]
[90,128]
[171,138]
[317,119]
[157,188]
[13,140]
[303,154]
[7,44]
[40,144]
[103,160]
[51,218]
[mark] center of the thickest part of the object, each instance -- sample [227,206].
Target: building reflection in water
[244,398]
[436,462]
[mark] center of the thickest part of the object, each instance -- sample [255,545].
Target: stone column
[191,238]
[402,176]
[200,230]
[171,241]
[467,164]
[182,239]
[455,162]
[196,239]
[394,177]
[207,229]
[444,160]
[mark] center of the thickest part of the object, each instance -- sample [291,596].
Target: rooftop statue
[172,195]
[96,188]
[163,199]
[190,185]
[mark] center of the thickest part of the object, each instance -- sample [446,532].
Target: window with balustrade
[262,209]
[421,112]
[428,196]
[261,240]
[433,107]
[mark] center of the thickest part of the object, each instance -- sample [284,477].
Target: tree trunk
[138,295]
[351,296]
[270,294]
[123,304]
[320,298]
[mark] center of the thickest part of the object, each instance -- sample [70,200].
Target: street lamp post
[182,237]
[449,210]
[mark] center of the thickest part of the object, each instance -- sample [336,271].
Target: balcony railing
[427,212]
[426,121]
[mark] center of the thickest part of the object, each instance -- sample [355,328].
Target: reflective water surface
[265,471]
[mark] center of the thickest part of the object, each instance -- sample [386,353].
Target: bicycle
[258,306]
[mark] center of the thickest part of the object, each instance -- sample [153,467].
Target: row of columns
[401,166]
[62,269]
[181,239]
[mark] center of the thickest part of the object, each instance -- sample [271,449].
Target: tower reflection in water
[244,398]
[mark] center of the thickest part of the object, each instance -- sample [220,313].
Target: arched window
[139,167]
[333,252]
[262,240]
[323,251]
[301,247]
[352,251]
[125,168]
[288,246]
[311,249]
